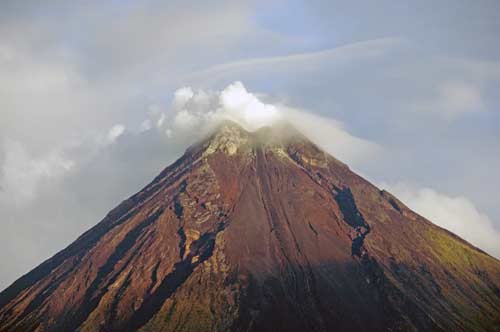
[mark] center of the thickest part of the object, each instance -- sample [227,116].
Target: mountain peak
[228,137]
[231,138]
[278,130]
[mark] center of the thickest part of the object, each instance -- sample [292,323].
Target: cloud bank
[454,213]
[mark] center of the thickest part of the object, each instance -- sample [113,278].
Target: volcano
[259,231]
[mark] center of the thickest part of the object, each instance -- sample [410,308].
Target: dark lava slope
[259,232]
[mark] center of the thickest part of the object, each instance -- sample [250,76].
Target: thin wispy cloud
[303,61]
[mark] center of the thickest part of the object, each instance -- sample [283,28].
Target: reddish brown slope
[259,232]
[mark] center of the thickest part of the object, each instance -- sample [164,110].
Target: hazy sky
[96,97]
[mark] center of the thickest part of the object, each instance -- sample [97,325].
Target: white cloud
[453,99]
[145,125]
[236,100]
[306,61]
[460,97]
[182,96]
[454,213]
[194,113]
[332,136]
[201,110]
[160,121]
[115,132]
[21,174]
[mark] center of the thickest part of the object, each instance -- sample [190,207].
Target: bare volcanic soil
[259,231]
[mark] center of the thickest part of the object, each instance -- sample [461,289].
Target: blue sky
[405,92]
